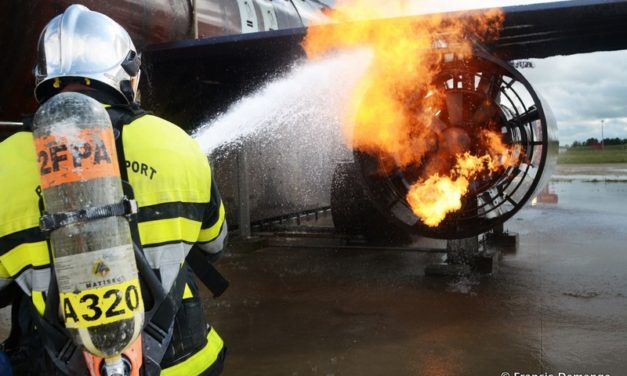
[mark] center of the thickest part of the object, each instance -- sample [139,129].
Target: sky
[582,90]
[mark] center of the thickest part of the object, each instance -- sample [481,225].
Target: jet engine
[480,93]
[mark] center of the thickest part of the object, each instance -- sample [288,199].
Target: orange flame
[434,198]
[397,101]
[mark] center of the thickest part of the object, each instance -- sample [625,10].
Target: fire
[432,199]
[435,197]
[398,101]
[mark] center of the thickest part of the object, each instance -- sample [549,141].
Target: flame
[439,195]
[435,197]
[503,156]
[397,102]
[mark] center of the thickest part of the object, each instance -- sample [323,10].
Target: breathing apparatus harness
[159,320]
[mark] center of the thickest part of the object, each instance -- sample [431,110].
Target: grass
[587,154]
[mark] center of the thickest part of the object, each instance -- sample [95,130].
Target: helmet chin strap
[131,66]
[135,85]
[126,87]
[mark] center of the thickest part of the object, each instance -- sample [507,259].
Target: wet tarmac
[559,304]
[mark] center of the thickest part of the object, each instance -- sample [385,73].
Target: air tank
[99,292]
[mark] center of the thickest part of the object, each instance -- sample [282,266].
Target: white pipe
[195,18]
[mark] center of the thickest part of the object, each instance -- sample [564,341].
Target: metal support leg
[461,255]
[461,251]
[195,18]
[504,241]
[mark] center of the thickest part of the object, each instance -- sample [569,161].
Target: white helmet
[85,45]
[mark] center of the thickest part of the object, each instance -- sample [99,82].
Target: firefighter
[180,212]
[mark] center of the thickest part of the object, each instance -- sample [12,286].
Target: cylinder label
[98,287]
[102,305]
[68,158]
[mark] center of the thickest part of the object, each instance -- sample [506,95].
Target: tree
[613,141]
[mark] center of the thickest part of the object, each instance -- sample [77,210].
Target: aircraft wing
[562,28]
[211,73]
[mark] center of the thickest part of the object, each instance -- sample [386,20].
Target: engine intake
[480,93]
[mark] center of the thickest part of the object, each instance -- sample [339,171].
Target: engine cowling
[481,93]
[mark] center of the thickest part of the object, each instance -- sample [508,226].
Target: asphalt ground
[558,304]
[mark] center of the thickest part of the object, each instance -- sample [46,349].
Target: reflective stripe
[3,271]
[4,282]
[40,279]
[12,240]
[168,231]
[189,210]
[39,302]
[200,361]
[212,214]
[35,254]
[24,281]
[35,282]
[168,259]
[166,254]
[187,292]
[34,279]
[207,235]
[168,275]
[217,244]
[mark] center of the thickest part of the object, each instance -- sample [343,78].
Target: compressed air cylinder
[100,298]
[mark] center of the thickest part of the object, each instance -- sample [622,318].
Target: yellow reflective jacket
[178,207]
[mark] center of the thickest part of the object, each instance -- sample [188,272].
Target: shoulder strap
[63,352]
[206,272]
[120,116]
[159,321]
